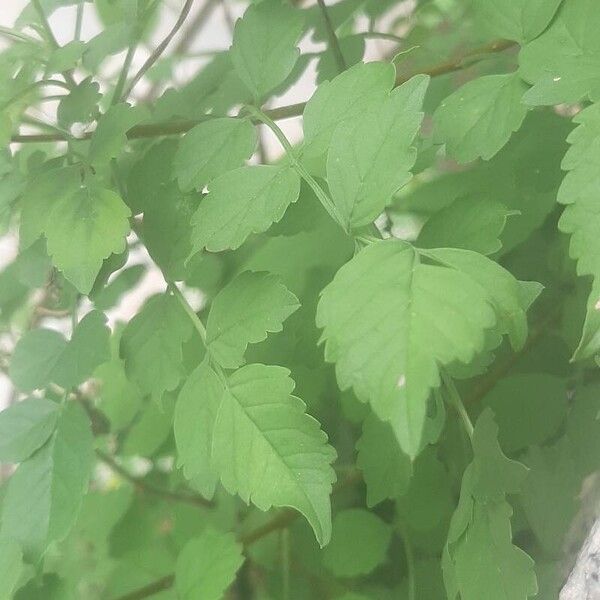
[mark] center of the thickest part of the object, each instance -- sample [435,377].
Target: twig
[144,486]
[334,43]
[160,48]
[282,112]
[118,92]
[188,36]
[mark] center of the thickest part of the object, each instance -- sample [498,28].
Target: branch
[334,43]
[279,521]
[148,488]
[160,48]
[283,112]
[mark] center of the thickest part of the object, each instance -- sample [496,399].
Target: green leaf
[11,567]
[44,495]
[580,218]
[211,149]
[66,57]
[344,98]
[562,64]
[469,223]
[207,565]
[80,105]
[43,356]
[370,158]
[244,201]
[243,312]
[195,413]
[35,358]
[110,136]
[553,473]
[478,119]
[82,229]
[41,194]
[269,451]
[344,556]
[507,295]
[480,560]
[125,281]
[24,427]
[151,345]
[519,400]
[386,469]
[519,20]
[264,48]
[387,327]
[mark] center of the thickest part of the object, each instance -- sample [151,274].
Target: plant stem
[17,35]
[159,49]
[198,324]
[456,401]
[325,200]
[32,86]
[118,92]
[78,21]
[282,112]
[410,564]
[334,43]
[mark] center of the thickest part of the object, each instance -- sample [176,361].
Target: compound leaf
[387,327]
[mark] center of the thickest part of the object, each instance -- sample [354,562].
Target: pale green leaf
[478,119]
[269,451]
[503,290]
[80,105]
[370,158]
[25,426]
[45,493]
[151,345]
[386,468]
[343,98]
[390,321]
[244,201]
[243,312]
[207,565]
[109,138]
[480,560]
[195,413]
[359,543]
[211,149]
[43,356]
[264,48]
[84,228]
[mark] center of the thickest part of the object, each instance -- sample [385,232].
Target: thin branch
[334,44]
[148,488]
[188,36]
[160,48]
[282,112]
[118,91]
